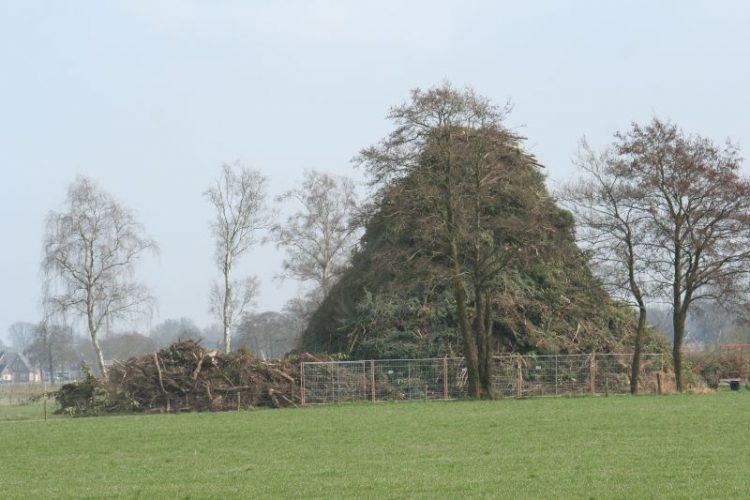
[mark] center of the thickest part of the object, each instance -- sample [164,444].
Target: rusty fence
[734,361]
[513,375]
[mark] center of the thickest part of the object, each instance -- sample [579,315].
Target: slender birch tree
[319,236]
[90,251]
[239,198]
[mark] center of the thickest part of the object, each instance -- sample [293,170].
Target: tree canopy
[689,212]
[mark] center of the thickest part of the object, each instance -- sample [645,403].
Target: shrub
[87,397]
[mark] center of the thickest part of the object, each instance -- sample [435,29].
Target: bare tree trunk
[459,293]
[94,337]
[487,357]
[227,311]
[49,359]
[678,315]
[99,354]
[325,283]
[478,327]
[635,290]
[639,334]
[469,344]
[678,323]
[481,333]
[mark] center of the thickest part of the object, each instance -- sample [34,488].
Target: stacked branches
[186,377]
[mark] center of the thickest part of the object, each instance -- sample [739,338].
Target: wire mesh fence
[513,375]
[23,393]
[25,401]
[734,361]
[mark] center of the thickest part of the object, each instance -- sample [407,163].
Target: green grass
[33,411]
[694,446]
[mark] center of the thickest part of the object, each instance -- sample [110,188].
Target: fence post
[44,388]
[302,383]
[334,379]
[592,373]
[661,368]
[557,376]
[364,380]
[742,361]
[372,378]
[408,378]
[445,377]
[519,381]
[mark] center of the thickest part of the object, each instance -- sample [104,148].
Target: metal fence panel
[513,375]
[335,381]
[22,393]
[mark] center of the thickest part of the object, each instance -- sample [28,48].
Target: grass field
[694,446]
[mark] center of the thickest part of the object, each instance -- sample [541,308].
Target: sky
[149,98]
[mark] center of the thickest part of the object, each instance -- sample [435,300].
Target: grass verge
[625,447]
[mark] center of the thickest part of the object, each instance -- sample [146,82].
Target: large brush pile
[185,377]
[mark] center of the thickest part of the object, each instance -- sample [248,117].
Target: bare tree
[21,335]
[124,345]
[52,347]
[173,330]
[270,334]
[243,293]
[301,308]
[90,251]
[319,237]
[612,225]
[461,173]
[698,208]
[239,198]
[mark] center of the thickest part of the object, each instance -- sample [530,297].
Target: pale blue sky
[149,97]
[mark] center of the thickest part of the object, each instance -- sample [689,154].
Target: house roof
[13,362]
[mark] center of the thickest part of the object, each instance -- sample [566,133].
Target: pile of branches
[86,397]
[186,377]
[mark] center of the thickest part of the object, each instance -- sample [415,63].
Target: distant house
[15,368]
